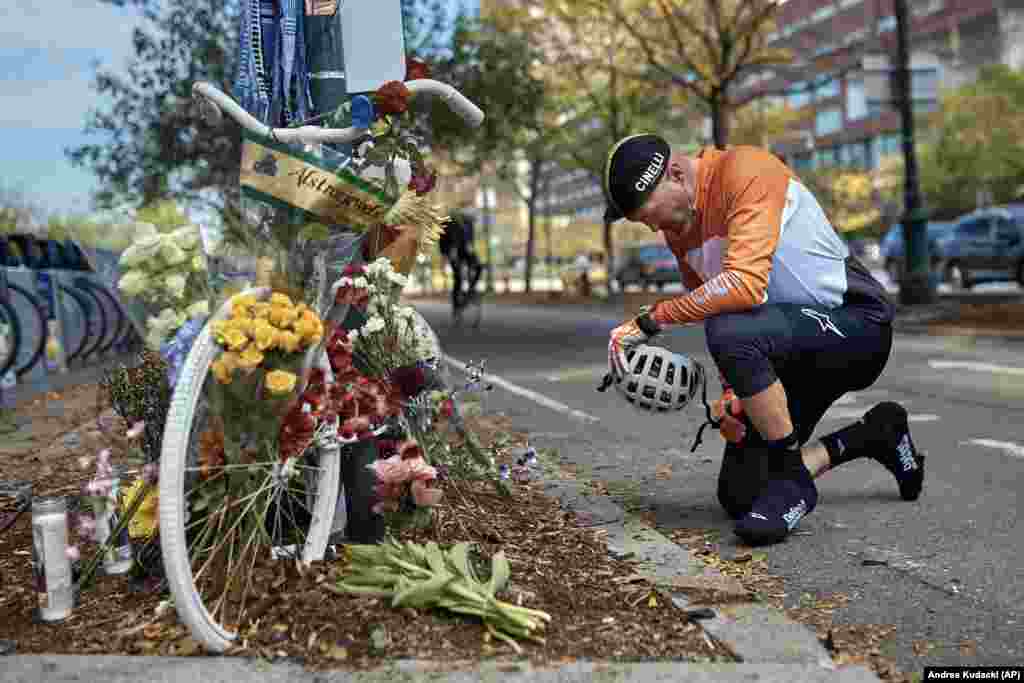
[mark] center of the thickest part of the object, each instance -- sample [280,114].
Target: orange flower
[211,450]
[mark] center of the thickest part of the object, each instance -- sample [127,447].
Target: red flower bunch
[339,353]
[297,431]
[359,406]
[392,98]
[409,380]
[347,292]
[423,179]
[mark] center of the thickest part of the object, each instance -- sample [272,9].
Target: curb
[937,329]
[58,668]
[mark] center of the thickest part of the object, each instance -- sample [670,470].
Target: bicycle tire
[83,307]
[36,306]
[97,304]
[188,600]
[10,318]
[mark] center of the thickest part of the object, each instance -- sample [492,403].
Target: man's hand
[729,410]
[626,336]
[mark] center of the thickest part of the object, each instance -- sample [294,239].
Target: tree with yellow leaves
[705,47]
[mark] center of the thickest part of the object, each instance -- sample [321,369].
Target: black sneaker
[897,453]
[780,507]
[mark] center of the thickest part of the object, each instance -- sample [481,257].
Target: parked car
[891,247]
[986,245]
[648,265]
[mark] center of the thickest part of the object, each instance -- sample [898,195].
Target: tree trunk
[531,205]
[531,221]
[719,122]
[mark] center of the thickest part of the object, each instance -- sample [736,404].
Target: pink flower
[72,553]
[136,430]
[104,457]
[86,526]
[150,472]
[424,496]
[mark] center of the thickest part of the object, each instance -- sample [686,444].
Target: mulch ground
[987,316]
[559,566]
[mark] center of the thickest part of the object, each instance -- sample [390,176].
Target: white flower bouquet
[165,277]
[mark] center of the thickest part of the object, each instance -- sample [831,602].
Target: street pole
[487,239]
[915,285]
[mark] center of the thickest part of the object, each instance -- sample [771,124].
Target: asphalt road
[945,570]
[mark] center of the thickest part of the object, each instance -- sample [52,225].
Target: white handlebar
[455,100]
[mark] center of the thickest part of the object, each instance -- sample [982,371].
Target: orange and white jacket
[761,237]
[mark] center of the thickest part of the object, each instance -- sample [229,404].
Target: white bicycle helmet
[660,380]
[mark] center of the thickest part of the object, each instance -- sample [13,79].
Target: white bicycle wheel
[213,602]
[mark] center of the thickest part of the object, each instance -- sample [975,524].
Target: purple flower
[176,349]
[150,472]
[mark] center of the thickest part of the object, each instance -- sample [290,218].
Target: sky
[47,51]
[47,56]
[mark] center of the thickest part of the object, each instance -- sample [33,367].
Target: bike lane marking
[538,398]
[976,367]
[1012,449]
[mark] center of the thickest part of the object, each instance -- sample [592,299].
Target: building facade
[843,52]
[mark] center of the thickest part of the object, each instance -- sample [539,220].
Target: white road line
[975,366]
[526,393]
[595,372]
[1008,447]
[925,417]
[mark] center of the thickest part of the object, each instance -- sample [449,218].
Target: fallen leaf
[186,647]
[652,601]
[663,471]
[337,652]
[724,584]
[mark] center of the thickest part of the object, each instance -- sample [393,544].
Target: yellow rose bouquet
[259,369]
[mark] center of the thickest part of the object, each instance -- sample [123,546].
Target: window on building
[826,156]
[828,121]
[854,154]
[804,162]
[856,100]
[887,23]
[922,8]
[826,88]
[887,145]
[823,13]
[799,96]
[845,4]
[824,49]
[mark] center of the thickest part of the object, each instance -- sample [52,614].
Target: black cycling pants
[471,263]
[818,354]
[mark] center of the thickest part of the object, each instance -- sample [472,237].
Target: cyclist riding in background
[456,244]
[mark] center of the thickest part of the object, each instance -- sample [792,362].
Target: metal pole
[915,287]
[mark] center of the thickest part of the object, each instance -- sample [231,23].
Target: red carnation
[409,380]
[392,98]
[423,179]
[415,69]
